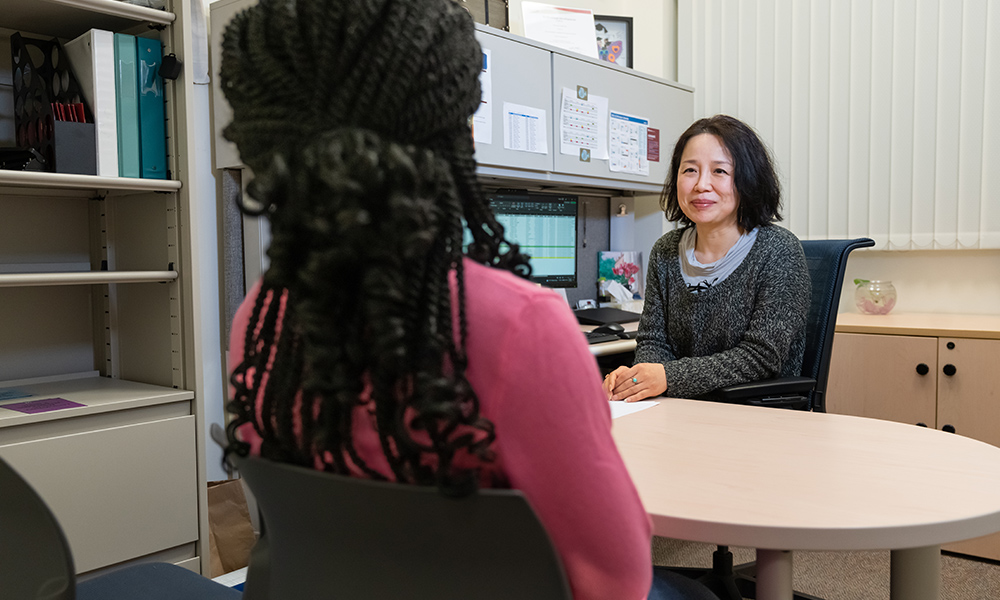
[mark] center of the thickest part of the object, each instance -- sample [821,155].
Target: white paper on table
[583,124]
[524,128]
[621,408]
[482,121]
[567,28]
[627,144]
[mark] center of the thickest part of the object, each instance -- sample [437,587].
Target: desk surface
[770,478]
[925,324]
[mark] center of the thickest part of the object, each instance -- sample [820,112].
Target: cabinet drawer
[880,376]
[118,492]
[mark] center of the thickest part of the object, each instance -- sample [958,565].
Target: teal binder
[152,124]
[127,95]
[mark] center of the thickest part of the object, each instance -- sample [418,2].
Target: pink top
[540,386]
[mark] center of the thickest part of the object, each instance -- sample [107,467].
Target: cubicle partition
[519,134]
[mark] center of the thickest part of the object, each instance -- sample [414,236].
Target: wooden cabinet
[939,370]
[100,311]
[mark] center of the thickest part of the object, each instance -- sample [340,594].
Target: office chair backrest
[35,559]
[827,262]
[328,536]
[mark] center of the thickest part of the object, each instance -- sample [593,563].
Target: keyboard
[601,337]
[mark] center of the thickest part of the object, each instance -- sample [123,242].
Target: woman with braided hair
[373,346]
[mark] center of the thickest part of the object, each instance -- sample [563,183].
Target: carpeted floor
[847,575]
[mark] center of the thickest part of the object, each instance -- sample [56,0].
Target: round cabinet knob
[949,370]
[923,369]
[948,429]
[921,424]
[951,345]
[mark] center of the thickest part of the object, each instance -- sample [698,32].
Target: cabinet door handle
[948,429]
[923,369]
[949,370]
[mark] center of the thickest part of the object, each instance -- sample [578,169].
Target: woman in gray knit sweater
[727,293]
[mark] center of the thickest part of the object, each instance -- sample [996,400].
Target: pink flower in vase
[869,307]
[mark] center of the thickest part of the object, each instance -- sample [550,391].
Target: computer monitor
[544,225]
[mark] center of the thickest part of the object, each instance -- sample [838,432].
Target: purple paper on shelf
[13,394]
[44,405]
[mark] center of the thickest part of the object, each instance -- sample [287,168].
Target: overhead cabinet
[518,129]
[526,73]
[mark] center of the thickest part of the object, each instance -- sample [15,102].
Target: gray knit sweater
[748,327]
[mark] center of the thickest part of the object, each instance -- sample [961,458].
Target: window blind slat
[839,117]
[746,92]
[763,115]
[880,131]
[970,150]
[799,159]
[819,114]
[860,124]
[713,62]
[990,195]
[924,124]
[729,58]
[901,172]
[781,143]
[948,121]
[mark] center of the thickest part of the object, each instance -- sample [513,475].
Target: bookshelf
[100,307]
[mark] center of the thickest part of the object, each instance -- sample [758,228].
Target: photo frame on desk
[614,39]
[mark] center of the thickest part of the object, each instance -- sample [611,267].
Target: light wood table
[782,480]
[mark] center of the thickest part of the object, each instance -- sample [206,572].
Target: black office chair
[827,262]
[36,561]
[325,535]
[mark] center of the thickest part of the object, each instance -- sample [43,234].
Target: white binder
[92,58]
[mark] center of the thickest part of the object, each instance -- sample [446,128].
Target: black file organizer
[42,76]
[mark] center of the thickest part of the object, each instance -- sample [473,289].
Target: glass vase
[874,296]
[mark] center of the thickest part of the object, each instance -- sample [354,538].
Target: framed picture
[614,39]
[488,12]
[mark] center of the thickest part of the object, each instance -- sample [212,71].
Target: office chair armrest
[783,386]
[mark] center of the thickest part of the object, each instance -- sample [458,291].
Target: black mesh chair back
[35,559]
[330,536]
[827,263]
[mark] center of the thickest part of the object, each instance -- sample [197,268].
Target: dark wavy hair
[354,117]
[757,188]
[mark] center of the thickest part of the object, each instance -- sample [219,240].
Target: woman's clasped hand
[635,383]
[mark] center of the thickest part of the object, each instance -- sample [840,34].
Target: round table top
[790,480]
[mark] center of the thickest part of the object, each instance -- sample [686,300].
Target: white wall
[653,52]
[931,281]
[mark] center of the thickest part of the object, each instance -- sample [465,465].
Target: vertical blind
[883,115]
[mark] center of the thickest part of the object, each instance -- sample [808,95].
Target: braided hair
[354,117]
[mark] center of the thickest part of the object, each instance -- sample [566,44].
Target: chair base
[729,582]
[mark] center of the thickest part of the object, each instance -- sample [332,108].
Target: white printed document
[583,124]
[628,144]
[621,408]
[524,128]
[567,28]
